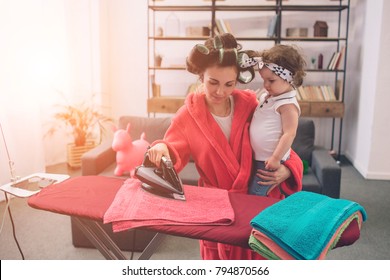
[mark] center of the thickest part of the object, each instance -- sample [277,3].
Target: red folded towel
[134,207]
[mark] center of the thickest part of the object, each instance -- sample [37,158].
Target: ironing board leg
[152,246]
[100,239]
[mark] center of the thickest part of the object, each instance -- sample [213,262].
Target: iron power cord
[13,228]
[13,178]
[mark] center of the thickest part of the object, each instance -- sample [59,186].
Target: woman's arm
[174,146]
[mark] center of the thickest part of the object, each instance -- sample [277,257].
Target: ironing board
[87,198]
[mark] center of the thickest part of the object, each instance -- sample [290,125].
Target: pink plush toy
[129,154]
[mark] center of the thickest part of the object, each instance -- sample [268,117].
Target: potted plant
[82,121]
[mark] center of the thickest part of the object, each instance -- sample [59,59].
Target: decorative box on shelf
[197,31]
[296,32]
[320,29]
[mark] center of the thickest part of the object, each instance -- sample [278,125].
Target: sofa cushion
[310,182]
[303,143]
[154,128]
[109,172]
[189,174]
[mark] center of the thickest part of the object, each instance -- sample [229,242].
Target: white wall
[47,47]
[367,117]
[380,152]
[73,32]
[353,78]
[127,52]
[21,49]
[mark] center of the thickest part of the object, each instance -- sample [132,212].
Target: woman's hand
[157,152]
[274,178]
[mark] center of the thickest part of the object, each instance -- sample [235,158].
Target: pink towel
[134,207]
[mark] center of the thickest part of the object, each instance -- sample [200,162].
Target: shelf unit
[159,102]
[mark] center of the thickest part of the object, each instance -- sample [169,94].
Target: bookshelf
[270,21]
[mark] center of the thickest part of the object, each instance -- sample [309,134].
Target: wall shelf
[214,10]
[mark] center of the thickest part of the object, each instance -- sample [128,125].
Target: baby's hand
[272,164]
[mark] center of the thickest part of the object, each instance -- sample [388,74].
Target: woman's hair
[222,50]
[289,57]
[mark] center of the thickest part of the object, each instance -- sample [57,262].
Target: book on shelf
[219,26]
[339,89]
[335,61]
[340,57]
[216,31]
[229,27]
[316,93]
[303,93]
[223,26]
[272,26]
[331,61]
[298,96]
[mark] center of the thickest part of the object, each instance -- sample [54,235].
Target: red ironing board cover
[90,197]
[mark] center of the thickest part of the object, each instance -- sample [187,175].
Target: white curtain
[47,47]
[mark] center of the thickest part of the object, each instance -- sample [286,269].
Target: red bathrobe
[221,163]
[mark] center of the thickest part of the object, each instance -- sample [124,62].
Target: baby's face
[274,84]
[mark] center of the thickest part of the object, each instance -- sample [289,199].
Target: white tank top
[225,123]
[266,125]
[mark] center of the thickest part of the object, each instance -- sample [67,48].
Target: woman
[212,128]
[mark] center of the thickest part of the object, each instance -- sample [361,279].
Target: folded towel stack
[305,225]
[134,207]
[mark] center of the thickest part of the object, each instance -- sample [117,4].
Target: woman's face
[219,84]
[274,84]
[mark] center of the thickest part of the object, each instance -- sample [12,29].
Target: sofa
[322,173]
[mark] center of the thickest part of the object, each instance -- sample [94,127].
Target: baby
[275,121]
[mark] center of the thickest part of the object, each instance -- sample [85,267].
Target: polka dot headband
[282,72]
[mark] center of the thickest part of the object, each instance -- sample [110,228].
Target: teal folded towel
[303,223]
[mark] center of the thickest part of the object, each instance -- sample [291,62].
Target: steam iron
[162,181]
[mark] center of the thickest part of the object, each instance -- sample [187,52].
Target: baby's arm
[289,115]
